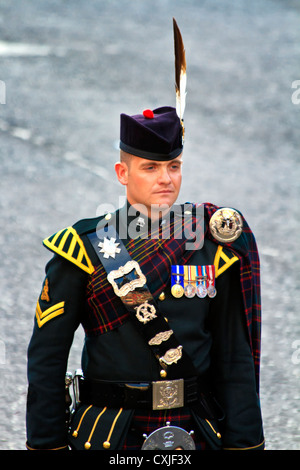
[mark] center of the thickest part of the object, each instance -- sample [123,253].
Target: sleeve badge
[45,291]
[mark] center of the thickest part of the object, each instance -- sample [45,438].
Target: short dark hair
[125,157]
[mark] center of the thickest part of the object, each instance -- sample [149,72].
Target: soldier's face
[149,182]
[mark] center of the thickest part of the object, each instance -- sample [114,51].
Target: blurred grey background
[67,71]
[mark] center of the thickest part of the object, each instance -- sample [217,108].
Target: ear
[121,170]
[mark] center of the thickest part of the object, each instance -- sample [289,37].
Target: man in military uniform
[169,299]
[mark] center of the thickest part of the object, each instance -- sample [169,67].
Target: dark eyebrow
[148,162]
[158,164]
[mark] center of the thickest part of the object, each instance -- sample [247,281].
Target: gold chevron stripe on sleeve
[51,312]
[69,245]
[220,267]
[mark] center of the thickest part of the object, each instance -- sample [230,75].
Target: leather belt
[160,395]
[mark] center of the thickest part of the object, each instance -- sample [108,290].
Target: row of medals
[190,291]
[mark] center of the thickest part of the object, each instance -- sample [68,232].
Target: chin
[165,200]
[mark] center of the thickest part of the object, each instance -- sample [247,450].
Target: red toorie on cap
[148,113]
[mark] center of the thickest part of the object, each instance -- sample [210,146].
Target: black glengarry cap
[153,135]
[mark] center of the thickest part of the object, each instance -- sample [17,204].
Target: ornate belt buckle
[167,394]
[122,289]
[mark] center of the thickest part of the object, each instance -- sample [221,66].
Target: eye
[150,167]
[175,166]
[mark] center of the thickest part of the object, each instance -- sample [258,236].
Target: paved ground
[67,70]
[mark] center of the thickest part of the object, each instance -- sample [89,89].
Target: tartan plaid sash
[155,257]
[245,249]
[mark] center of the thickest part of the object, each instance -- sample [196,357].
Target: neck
[153,212]
[137,223]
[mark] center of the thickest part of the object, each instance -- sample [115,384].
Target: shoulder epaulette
[69,245]
[223,261]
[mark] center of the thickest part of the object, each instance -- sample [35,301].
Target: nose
[164,177]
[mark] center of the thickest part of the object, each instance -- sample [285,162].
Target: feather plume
[180,71]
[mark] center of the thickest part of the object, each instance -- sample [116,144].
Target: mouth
[165,191]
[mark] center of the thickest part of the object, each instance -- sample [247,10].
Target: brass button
[162,296]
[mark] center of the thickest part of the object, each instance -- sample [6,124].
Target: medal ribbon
[211,277]
[204,276]
[178,275]
[197,275]
[189,275]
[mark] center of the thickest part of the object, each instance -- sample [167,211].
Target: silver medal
[201,291]
[189,291]
[211,291]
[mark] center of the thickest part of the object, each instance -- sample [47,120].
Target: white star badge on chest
[109,247]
